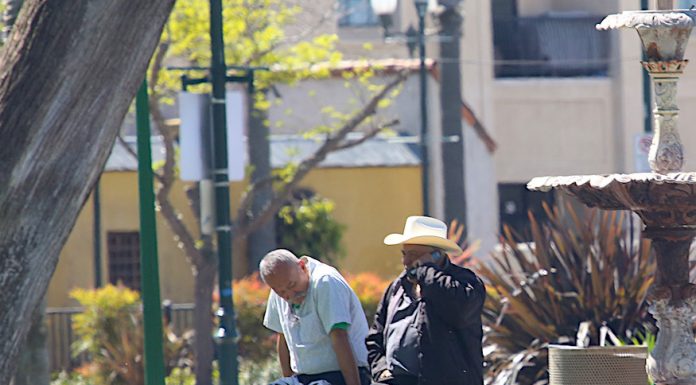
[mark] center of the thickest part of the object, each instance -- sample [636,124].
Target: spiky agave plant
[579,268]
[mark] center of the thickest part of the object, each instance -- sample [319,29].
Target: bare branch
[248,197]
[132,153]
[125,145]
[166,180]
[312,161]
[368,135]
[157,62]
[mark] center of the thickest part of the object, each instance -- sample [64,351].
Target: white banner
[194,112]
[236,133]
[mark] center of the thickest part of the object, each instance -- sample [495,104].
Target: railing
[550,46]
[60,336]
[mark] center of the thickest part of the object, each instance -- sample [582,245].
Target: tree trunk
[450,104]
[204,283]
[33,366]
[262,240]
[204,268]
[67,77]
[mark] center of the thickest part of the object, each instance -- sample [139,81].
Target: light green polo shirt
[330,303]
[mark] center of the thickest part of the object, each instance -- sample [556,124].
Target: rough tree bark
[205,275]
[67,77]
[33,367]
[262,240]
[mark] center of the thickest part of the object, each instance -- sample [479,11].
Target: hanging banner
[194,135]
[194,114]
[236,133]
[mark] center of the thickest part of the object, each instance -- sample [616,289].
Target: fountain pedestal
[665,199]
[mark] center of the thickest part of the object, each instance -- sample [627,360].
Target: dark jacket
[450,328]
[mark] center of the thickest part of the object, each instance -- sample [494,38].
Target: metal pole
[422,7]
[227,333]
[149,270]
[96,233]
[453,152]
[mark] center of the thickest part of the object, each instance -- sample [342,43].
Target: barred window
[124,258]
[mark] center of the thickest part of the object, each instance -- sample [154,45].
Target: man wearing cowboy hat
[427,330]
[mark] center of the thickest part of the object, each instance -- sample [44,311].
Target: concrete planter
[624,365]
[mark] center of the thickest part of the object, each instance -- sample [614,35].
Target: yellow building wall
[371,202]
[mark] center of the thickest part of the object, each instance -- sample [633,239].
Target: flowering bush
[110,330]
[250,296]
[369,288]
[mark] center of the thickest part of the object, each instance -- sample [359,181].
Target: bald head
[275,261]
[286,274]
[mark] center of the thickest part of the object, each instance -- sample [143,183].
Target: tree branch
[132,153]
[368,135]
[185,238]
[248,198]
[294,39]
[243,229]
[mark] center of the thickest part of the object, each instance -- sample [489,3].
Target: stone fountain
[665,199]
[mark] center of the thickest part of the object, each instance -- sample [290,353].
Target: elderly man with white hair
[427,330]
[320,323]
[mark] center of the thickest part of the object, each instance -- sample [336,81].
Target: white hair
[273,260]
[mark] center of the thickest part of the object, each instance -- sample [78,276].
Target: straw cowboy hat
[424,231]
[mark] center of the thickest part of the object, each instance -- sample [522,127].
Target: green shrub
[307,227]
[369,288]
[110,330]
[576,270]
[64,378]
[251,372]
[263,372]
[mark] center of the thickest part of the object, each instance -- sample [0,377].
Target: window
[356,13]
[515,202]
[124,258]
[556,44]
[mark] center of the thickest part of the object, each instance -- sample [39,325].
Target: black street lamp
[385,9]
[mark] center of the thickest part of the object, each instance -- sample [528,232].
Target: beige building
[559,97]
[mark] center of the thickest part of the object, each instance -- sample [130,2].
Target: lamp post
[227,332]
[385,9]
